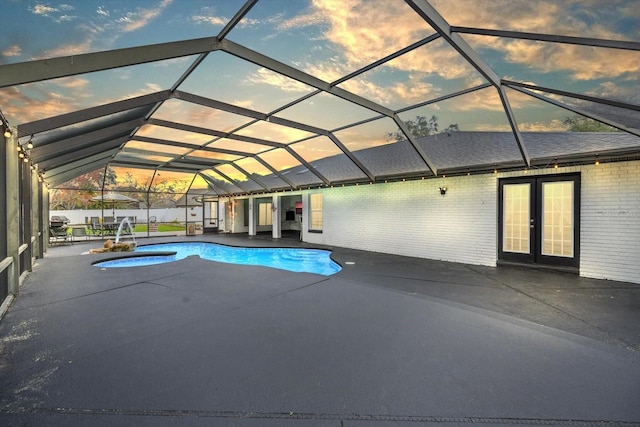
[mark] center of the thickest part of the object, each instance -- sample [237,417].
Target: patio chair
[79,233]
[58,235]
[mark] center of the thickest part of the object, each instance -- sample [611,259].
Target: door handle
[532,223]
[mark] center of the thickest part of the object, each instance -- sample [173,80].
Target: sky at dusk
[327,39]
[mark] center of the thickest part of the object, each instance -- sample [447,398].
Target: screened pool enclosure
[174,102]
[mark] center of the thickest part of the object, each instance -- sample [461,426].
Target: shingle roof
[459,151]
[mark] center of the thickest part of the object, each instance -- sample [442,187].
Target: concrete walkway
[388,341]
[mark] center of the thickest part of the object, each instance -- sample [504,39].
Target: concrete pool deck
[388,341]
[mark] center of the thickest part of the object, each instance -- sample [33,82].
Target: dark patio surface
[388,341]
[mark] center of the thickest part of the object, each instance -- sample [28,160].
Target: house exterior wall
[610,230]
[412,218]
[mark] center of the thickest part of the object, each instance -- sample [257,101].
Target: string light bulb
[7,133]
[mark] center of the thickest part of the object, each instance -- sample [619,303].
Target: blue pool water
[299,260]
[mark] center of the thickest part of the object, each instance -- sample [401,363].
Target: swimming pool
[316,261]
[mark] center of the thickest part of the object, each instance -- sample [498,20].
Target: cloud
[247,22]
[265,76]
[581,62]
[362,32]
[55,13]
[209,16]
[411,91]
[300,21]
[14,50]
[102,11]
[43,10]
[213,20]
[71,82]
[133,21]
[68,49]
[569,18]
[554,125]
[37,104]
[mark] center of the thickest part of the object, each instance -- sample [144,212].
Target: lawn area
[142,228]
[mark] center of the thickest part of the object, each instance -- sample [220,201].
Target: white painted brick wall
[412,219]
[610,228]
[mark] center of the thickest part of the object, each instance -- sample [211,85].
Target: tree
[584,124]
[77,192]
[419,127]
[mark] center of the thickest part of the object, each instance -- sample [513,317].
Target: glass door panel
[557,218]
[517,207]
[516,236]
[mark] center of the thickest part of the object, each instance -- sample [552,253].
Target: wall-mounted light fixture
[443,190]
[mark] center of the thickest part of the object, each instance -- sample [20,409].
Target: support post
[252,217]
[12,211]
[36,227]
[26,216]
[276,220]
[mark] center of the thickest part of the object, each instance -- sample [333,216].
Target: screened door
[539,220]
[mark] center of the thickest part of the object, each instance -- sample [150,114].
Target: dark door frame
[535,238]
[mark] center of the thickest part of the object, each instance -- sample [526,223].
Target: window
[315,219]
[264,214]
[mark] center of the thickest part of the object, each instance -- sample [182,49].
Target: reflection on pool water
[299,260]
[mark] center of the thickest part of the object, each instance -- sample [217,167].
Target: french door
[539,219]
